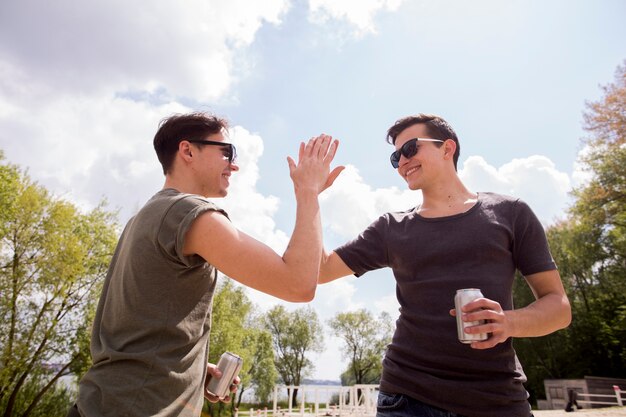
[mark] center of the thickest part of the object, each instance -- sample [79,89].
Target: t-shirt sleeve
[368,251]
[176,224]
[531,252]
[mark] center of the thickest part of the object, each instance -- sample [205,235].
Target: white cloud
[581,175]
[71,150]
[249,210]
[350,205]
[389,304]
[81,96]
[161,47]
[336,296]
[535,179]
[358,13]
[84,148]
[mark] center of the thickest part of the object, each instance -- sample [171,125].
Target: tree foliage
[294,334]
[235,329]
[52,259]
[589,247]
[365,340]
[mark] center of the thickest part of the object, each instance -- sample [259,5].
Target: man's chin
[217,194]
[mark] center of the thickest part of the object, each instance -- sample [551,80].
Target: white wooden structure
[353,401]
[607,400]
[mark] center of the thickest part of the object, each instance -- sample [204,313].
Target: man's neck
[179,184]
[447,199]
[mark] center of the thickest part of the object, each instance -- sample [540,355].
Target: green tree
[590,249]
[263,371]
[52,261]
[294,334]
[365,339]
[598,226]
[235,329]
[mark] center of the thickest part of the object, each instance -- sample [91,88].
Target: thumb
[333,176]
[292,164]
[213,370]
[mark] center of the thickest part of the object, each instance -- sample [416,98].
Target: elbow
[566,312]
[303,294]
[307,295]
[569,315]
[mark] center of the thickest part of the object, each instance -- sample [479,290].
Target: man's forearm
[304,251]
[546,315]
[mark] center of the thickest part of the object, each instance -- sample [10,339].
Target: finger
[489,315]
[309,148]
[482,303]
[331,151]
[333,176]
[472,306]
[481,328]
[210,397]
[292,164]
[453,312]
[301,151]
[326,142]
[213,370]
[487,344]
[318,146]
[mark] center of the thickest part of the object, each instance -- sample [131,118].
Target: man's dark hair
[436,127]
[178,127]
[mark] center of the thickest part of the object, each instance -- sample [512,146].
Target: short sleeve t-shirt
[150,334]
[431,258]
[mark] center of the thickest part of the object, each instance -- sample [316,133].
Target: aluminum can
[461,298]
[230,365]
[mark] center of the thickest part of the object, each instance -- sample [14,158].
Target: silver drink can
[461,298]
[230,365]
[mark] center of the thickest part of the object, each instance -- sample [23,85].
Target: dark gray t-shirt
[431,258]
[150,334]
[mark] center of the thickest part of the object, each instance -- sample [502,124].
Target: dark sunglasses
[408,150]
[231,151]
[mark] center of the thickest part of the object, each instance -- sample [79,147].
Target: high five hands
[313,168]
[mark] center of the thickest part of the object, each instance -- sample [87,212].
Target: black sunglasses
[231,151]
[408,150]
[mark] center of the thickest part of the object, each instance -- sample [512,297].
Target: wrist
[305,192]
[512,322]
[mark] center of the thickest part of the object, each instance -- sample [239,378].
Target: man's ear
[185,151]
[449,147]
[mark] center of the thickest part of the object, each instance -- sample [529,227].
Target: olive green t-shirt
[150,334]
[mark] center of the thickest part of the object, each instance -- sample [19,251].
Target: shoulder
[501,202]
[495,199]
[390,220]
[399,216]
[185,203]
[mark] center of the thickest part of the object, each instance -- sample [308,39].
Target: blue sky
[83,86]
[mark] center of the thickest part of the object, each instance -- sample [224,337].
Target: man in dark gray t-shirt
[455,239]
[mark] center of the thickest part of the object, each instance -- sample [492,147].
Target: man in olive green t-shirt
[150,334]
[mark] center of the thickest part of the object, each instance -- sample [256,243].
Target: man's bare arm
[292,276]
[332,267]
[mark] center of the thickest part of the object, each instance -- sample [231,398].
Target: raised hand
[313,168]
